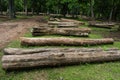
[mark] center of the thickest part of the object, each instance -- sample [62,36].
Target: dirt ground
[11,30]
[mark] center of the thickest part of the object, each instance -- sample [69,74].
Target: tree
[91,8]
[25,7]
[0,6]
[11,9]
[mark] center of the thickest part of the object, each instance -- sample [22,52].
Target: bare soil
[13,29]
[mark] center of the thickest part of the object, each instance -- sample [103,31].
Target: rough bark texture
[102,25]
[64,41]
[61,31]
[57,58]
[11,9]
[70,20]
[20,51]
[62,24]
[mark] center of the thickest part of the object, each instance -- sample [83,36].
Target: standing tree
[0,6]
[91,8]
[25,7]
[11,9]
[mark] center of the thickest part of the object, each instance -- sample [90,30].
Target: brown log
[75,21]
[64,41]
[57,58]
[62,24]
[40,31]
[102,24]
[20,51]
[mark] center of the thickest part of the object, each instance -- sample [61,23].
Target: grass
[18,17]
[98,71]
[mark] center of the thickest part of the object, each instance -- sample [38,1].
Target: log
[40,31]
[57,58]
[102,24]
[64,41]
[75,21]
[20,51]
[62,24]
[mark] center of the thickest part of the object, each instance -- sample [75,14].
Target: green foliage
[102,9]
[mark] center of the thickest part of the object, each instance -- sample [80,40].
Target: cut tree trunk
[40,31]
[57,58]
[20,51]
[102,25]
[62,24]
[75,21]
[64,41]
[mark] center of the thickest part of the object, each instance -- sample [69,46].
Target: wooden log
[64,41]
[40,31]
[20,51]
[62,24]
[102,24]
[75,21]
[57,58]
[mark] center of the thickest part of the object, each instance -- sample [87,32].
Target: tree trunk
[91,8]
[84,32]
[20,51]
[11,9]
[63,41]
[57,58]
[25,7]
[0,7]
[102,25]
[63,24]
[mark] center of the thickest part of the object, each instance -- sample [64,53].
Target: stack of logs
[29,58]
[62,28]
[15,58]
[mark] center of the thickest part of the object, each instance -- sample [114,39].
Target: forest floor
[11,30]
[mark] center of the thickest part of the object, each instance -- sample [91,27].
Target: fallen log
[64,41]
[62,24]
[53,22]
[75,21]
[102,24]
[20,51]
[40,31]
[57,58]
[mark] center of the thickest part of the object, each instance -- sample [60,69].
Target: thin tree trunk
[0,7]
[111,13]
[11,9]
[91,9]
[32,10]
[25,7]
[64,41]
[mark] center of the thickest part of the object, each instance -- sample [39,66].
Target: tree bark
[91,9]
[0,7]
[63,24]
[11,9]
[102,25]
[84,32]
[57,58]
[64,41]
[25,7]
[20,51]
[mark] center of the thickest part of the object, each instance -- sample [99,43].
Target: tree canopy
[97,9]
